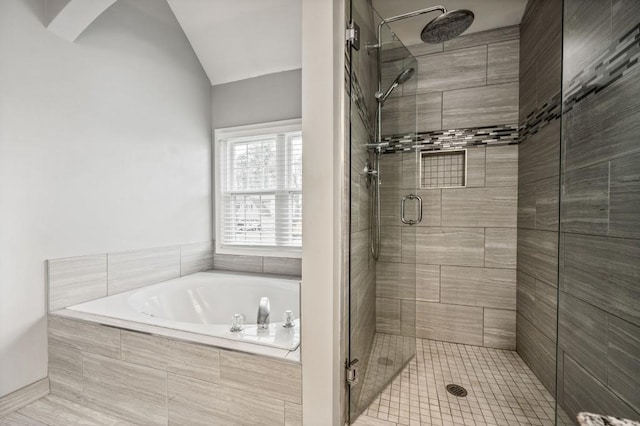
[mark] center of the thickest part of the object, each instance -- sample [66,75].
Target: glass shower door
[383,173]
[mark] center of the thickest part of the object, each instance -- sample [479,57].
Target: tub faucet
[264,310]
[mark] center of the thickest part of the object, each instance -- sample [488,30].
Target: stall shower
[493,244]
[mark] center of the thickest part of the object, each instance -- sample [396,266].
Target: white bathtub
[205,302]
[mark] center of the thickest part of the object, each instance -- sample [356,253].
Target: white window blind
[259,196]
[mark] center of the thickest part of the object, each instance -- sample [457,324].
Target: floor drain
[457,390]
[383,360]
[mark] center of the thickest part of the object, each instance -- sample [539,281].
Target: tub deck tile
[131,391]
[292,414]
[86,337]
[193,360]
[281,379]
[65,370]
[196,402]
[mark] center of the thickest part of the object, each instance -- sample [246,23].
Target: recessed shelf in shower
[443,169]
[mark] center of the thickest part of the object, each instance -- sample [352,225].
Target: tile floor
[502,390]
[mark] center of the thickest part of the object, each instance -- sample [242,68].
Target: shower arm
[379,44]
[404,16]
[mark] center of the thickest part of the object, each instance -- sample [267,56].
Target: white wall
[323,208]
[104,146]
[271,97]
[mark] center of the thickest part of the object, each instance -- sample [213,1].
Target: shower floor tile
[502,390]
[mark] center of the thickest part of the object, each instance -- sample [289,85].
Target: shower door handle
[402,209]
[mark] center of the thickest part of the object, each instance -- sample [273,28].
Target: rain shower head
[447,26]
[402,78]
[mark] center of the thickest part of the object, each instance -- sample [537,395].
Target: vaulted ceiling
[239,39]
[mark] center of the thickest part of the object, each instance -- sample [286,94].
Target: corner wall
[538,171]
[599,273]
[104,146]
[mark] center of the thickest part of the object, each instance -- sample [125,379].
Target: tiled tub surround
[79,279]
[155,380]
[465,247]
[204,304]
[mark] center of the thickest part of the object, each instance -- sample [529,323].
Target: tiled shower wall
[599,281]
[465,247]
[538,180]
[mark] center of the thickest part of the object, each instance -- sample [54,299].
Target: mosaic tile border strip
[505,134]
[356,94]
[609,67]
[538,119]
[613,64]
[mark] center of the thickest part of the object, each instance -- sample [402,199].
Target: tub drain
[457,390]
[383,360]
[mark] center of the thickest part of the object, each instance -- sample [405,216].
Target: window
[259,189]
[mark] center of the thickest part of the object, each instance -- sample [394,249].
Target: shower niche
[443,169]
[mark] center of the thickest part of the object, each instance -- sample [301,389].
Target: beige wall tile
[276,378]
[429,107]
[499,329]
[126,390]
[395,280]
[144,349]
[282,266]
[86,337]
[449,323]
[450,246]
[196,402]
[483,37]
[503,62]
[65,370]
[76,279]
[134,269]
[491,288]
[196,257]
[480,106]
[502,166]
[476,169]
[431,207]
[390,243]
[231,262]
[387,315]
[428,283]
[292,414]
[452,70]
[193,360]
[480,207]
[500,248]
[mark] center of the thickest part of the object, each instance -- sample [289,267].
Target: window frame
[221,135]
